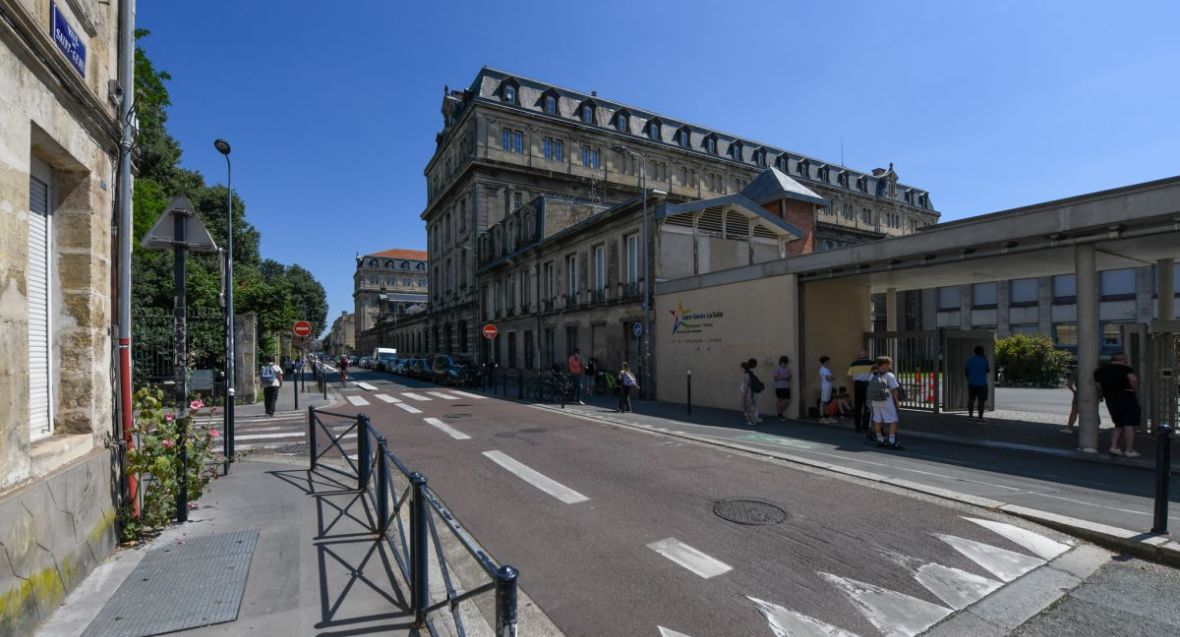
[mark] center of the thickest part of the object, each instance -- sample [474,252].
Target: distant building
[507,140]
[342,337]
[388,282]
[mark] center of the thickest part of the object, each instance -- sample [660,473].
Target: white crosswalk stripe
[438,394]
[1004,564]
[357,400]
[366,386]
[410,408]
[894,614]
[955,587]
[1043,547]
[465,394]
[447,429]
[704,565]
[785,622]
[418,397]
[386,398]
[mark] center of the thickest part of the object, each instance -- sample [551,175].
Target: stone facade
[507,139]
[387,283]
[58,136]
[342,337]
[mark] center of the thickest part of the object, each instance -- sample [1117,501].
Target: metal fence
[154,349]
[916,363]
[409,517]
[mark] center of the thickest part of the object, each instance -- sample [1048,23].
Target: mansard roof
[773,185]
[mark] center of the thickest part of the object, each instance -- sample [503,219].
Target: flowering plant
[161,434]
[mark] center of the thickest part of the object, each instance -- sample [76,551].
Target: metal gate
[929,365]
[1162,386]
[957,347]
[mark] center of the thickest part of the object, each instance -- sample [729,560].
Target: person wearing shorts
[782,386]
[1120,387]
[885,411]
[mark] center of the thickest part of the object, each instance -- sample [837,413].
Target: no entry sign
[302,328]
[490,332]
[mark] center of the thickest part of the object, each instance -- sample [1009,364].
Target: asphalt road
[1041,401]
[614,529]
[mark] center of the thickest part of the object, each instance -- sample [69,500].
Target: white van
[384,358]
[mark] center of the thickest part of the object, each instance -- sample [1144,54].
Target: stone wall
[246,357]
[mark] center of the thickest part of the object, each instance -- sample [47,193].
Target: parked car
[365,363]
[385,361]
[416,368]
[444,370]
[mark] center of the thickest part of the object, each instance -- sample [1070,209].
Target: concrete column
[891,310]
[791,291]
[1165,296]
[1087,304]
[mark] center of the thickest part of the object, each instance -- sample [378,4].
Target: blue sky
[988,105]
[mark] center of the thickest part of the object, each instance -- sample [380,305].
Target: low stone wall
[55,531]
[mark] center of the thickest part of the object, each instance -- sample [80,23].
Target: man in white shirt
[272,380]
[882,393]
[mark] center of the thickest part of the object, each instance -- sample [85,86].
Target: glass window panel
[985,294]
[949,298]
[1023,291]
[1117,282]
[1065,334]
[1065,285]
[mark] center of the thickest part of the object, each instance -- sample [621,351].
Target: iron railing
[408,516]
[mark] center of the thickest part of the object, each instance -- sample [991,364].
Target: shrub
[1031,361]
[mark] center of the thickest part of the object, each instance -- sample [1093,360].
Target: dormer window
[760,157]
[684,137]
[842,178]
[508,92]
[586,113]
[803,168]
[653,130]
[781,163]
[710,144]
[622,122]
[823,174]
[549,104]
[862,183]
[735,151]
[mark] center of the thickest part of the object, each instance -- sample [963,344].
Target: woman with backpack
[750,388]
[883,396]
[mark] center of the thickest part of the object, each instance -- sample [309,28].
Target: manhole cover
[752,512]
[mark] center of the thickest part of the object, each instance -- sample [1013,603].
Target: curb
[1155,548]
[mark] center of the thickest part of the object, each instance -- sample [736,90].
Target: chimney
[593,93]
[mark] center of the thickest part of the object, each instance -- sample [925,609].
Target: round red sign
[302,328]
[490,331]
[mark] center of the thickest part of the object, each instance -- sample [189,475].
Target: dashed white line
[358,401]
[438,394]
[690,558]
[366,386]
[418,397]
[447,429]
[535,478]
[409,408]
[465,394]
[387,398]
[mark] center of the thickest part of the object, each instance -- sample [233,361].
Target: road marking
[1040,545]
[894,614]
[387,398]
[358,401]
[438,394]
[1004,564]
[463,393]
[690,558]
[668,632]
[447,429]
[270,436]
[955,587]
[410,408]
[535,478]
[366,386]
[418,397]
[788,623]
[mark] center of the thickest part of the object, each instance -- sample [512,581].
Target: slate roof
[773,185]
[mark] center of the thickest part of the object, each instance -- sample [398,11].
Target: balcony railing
[630,290]
[598,296]
[547,305]
[571,300]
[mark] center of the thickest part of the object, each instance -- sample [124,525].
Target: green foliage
[1031,361]
[156,460]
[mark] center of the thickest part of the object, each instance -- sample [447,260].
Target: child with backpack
[883,396]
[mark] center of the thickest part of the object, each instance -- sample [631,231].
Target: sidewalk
[316,569]
[285,405]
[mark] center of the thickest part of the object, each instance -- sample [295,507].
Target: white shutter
[37,275]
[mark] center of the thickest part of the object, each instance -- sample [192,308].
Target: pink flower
[168,444]
[196,404]
[169,417]
[213,433]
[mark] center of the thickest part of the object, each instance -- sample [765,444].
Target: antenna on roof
[841,150]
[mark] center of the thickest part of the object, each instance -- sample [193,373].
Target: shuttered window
[40,416]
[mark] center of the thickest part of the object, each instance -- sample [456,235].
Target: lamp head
[222,146]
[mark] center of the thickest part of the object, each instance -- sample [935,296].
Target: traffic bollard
[1163,474]
[311,451]
[419,549]
[324,383]
[363,457]
[506,596]
[688,391]
[382,485]
[295,391]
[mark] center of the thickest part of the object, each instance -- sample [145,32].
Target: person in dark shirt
[976,370]
[1120,386]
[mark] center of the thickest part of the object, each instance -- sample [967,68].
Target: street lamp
[222,147]
[645,390]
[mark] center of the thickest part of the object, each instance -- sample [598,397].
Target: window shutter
[37,275]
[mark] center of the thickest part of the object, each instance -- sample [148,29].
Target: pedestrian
[345,363]
[751,387]
[272,380]
[576,370]
[843,403]
[825,389]
[976,369]
[860,371]
[1071,383]
[627,382]
[782,386]
[592,381]
[1120,386]
[882,394]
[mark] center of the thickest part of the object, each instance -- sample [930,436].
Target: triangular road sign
[162,236]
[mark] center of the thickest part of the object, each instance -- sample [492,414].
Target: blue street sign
[67,40]
[637,329]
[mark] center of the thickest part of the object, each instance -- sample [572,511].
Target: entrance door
[957,347]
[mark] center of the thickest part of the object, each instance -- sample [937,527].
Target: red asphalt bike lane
[588,565]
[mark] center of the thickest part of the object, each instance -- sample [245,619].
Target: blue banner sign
[67,40]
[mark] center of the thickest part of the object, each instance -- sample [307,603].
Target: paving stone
[1014,604]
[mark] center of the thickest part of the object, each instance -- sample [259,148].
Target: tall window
[1023,292]
[683,137]
[949,298]
[653,130]
[587,114]
[1118,283]
[866,215]
[525,288]
[571,275]
[711,145]
[599,282]
[848,212]
[621,123]
[590,157]
[517,199]
[510,93]
[554,149]
[632,258]
[510,293]
[550,281]
[735,151]
[550,104]
[512,141]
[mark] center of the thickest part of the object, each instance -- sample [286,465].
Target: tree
[1031,361]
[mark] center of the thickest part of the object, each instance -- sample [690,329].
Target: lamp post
[222,147]
[647,287]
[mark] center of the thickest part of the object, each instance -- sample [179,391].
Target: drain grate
[749,512]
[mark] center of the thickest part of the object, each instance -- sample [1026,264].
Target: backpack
[756,385]
[268,373]
[878,390]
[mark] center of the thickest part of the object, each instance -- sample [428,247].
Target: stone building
[507,139]
[59,144]
[389,282]
[558,274]
[342,337]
